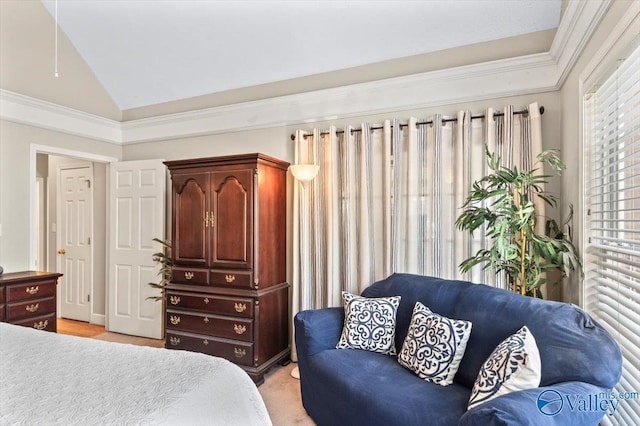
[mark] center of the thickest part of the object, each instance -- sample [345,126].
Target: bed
[53,379]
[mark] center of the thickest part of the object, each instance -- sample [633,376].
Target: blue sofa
[354,387]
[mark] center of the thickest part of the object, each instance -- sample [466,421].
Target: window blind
[612,194]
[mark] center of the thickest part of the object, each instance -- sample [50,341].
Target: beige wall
[27,61]
[561,129]
[16,177]
[277,142]
[571,101]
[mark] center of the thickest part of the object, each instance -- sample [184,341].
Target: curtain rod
[424,123]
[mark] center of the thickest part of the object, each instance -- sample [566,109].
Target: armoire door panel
[232,199]
[191,212]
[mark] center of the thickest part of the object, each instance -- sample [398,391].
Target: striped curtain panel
[387,196]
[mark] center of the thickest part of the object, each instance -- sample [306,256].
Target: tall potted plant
[502,201]
[163,258]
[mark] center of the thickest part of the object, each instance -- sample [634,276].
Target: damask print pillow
[512,366]
[434,345]
[369,324]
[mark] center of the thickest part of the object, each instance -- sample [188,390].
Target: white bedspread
[52,379]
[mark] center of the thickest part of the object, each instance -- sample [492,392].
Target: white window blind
[612,282]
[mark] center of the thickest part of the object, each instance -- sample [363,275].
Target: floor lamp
[303,173]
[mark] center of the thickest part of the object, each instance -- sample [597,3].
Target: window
[612,228]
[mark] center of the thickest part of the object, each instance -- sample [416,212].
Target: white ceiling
[147,52]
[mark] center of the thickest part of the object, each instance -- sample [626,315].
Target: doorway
[48,229]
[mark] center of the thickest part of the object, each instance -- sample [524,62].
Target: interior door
[74,248]
[137,216]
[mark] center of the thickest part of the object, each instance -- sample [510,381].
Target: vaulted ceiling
[150,52]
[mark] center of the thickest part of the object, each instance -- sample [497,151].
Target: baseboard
[98,319]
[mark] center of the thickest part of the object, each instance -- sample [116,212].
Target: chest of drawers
[29,299]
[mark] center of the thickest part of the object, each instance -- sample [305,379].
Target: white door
[136,211]
[74,248]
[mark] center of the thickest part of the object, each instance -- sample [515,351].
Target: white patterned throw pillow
[512,366]
[434,345]
[369,324]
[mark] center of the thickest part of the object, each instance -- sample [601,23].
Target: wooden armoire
[229,296]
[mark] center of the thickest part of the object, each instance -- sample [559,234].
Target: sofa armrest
[575,403]
[317,330]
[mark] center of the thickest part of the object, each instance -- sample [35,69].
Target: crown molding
[580,20]
[529,74]
[47,115]
[516,76]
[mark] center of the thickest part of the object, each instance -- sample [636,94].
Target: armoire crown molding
[537,73]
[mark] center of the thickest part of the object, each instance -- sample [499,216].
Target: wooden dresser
[229,296]
[29,299]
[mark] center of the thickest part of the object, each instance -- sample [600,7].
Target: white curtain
[387,196]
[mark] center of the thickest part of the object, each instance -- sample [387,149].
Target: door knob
[62,251]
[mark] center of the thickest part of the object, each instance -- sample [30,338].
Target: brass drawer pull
[205,342]
[240,307]
[188,275]
[206,300]
[32,308]
[32,290]
[239,329]
[206,219]
[206,320]
[239,353]
[174,300]
[175,320]
[175,341]
[41,325]
[230,278]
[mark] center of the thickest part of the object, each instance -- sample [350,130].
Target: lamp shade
[304,172]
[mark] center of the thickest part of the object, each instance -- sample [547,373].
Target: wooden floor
[79,328]
[95,331]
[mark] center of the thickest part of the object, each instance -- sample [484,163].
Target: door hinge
[89,241]
[88,298]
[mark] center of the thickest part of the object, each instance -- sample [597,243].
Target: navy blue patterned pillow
[512,366]
[434,345]
[369,324]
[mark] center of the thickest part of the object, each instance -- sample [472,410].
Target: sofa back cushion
[434,293]
[572,346]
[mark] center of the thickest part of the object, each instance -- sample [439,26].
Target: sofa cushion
[369,324]
[512,366]
[353,387]
[434,345]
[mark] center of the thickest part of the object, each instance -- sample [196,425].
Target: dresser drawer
[237,279]
[192,276]
[47,322]
[32,308]
[30,291]
[237,352]
[221,305]
[212,325]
